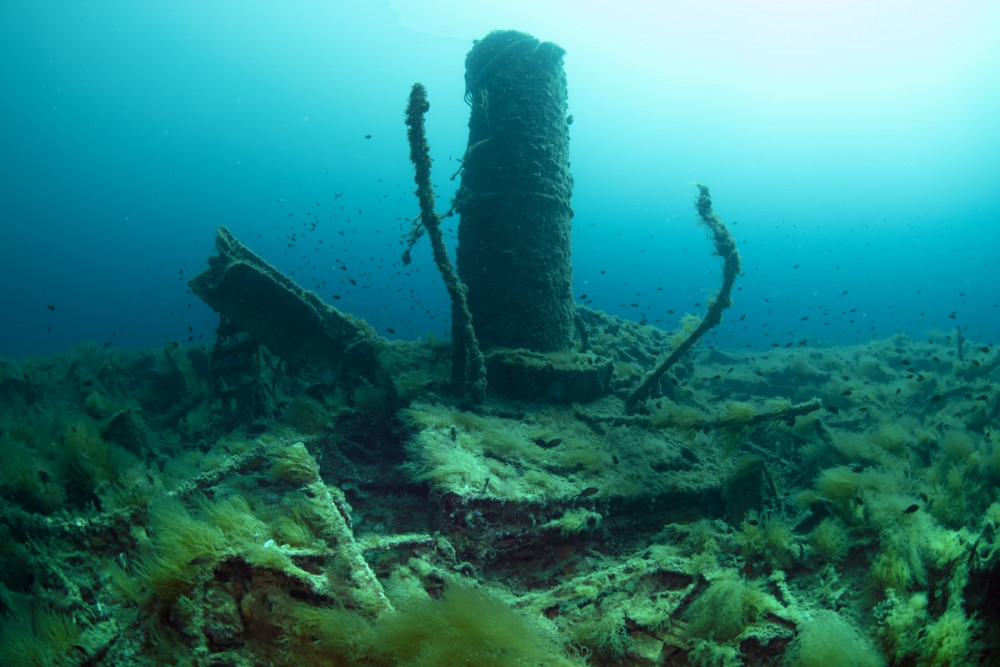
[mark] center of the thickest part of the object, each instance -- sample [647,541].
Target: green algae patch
[767,492]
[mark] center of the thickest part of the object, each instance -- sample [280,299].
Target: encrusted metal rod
[725,247]
[468,368]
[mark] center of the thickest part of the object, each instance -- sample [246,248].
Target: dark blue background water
[853,152]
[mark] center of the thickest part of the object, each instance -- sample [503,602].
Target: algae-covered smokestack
[514,200]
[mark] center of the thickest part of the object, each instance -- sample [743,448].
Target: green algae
[138,530]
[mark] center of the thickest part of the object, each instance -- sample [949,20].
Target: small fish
[368,136]
[846,392]
[911,509]
[50,307]
[588,492]
[858,468]
[546,444]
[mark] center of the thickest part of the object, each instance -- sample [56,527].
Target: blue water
[853,151]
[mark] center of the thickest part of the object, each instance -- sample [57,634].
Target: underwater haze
[851,146]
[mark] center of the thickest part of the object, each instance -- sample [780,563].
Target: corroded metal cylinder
[514,199]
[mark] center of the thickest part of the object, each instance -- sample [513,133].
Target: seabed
[808,505]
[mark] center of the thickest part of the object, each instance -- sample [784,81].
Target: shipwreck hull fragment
[314,339]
